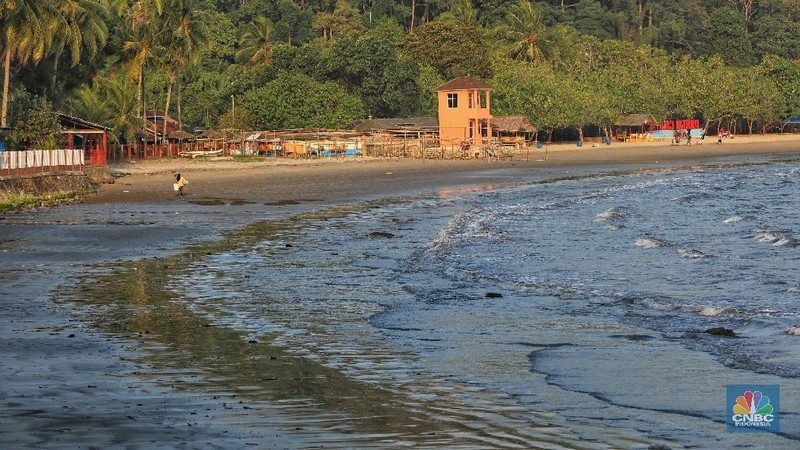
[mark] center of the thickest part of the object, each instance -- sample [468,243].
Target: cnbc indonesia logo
[754,408]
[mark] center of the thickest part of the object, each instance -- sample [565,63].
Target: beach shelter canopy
[212,135]
[410,123]
[512,124]
[181,135]
[635,120]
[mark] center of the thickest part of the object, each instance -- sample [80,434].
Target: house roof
[211,135]
[181,135]
[512,124]
[78,123]
[635,120]
[463,83]
[386,124]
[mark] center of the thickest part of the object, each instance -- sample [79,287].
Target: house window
[452,101]
[471,99]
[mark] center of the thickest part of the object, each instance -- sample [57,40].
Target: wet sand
[75,375]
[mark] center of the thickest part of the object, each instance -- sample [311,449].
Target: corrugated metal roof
[77,121]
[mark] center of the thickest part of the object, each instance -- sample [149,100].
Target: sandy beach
[72,378]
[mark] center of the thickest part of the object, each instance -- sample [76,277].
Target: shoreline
[283,180]
[66,383]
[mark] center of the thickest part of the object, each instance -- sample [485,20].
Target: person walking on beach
[689,136]
[180,182]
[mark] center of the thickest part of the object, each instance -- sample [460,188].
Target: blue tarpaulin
[792,120]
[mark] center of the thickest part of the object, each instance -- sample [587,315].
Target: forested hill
[277,64]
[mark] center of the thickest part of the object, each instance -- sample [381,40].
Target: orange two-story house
[464,114]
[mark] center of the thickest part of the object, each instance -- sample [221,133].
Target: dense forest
[280,64]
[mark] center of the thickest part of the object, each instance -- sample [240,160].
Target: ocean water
[560,314]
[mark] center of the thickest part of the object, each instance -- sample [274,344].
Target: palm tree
[91,105]
[464,12]
[526,29]
[26,35]
[138,49]
[184,34]
[121,100]
[255,44]
[81,23]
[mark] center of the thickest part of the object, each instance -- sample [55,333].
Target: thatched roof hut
[512,124]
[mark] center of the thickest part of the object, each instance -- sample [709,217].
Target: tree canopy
[325,63]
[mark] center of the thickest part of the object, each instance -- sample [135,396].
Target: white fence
[32,161]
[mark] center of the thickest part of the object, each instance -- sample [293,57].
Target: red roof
[463,83]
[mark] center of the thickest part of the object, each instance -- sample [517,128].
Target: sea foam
[649,243]
[694,254]
[775,237]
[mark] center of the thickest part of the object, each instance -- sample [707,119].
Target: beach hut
[512,131]
[178,140]
[633,127]
[211,140]
[91,137]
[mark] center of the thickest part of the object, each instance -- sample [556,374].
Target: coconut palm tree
[89,104]
[81,24]
[184,34]
[142,17]
[255,43]
[24,37]
[526,29]
[464,12]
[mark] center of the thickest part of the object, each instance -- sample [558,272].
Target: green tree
[374,69]
[292,23]
[297,101]
[453,50]
[590,18]
[345,21]
[111,103]
[34,122]
[727,37]
[777,35]
[26,27]
[758,98]
[785,74]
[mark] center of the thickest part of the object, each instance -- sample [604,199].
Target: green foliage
[453,50]
[374,68]
[297,101]
[34,121]
[562,63]
[255,43]
[777,35]
[427,81]
[292,23]
[592,19]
